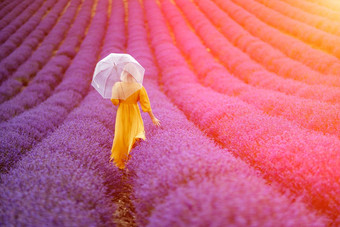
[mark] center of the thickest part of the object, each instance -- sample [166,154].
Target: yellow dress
[129,125]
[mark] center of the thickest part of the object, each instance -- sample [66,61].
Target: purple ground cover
[226,153]
[326,117]
[290,46]
[43,84]
[17,38]
[7,7]
[249,133]
[24,131]
[13,19]
[257,49]
[18,21]
[248,70]
[179,160]
[26,49]
[26,71]
[83,141]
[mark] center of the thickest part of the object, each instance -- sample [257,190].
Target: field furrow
[42,85]
[294,157]
[12,62]
[247,94]
[34,124]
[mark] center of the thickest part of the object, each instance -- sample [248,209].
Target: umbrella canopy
[117,76]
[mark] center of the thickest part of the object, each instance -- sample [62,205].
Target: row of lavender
[22,132]
[248,70]
[16,18]
[325,41]
[330,4]
[269,57]
[7,7]
[26,70]
[49,76]
[20,54]
[326,117]
[182,178]
[78,149]
[318,10]
[22,74]
[293,48]
[297,14]
[14,40]
[66,180]
[301,160]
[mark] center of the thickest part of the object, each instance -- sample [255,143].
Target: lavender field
[247,91]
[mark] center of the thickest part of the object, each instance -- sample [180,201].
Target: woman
[129,126]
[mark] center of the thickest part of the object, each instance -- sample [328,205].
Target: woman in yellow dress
[129,126]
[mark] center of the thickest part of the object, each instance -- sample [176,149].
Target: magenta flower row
[21,33]
[27,129]
[182,172]
[9,64]
[283,152]
[242,66]
[326,116]
[268,56]
[66,180]
[28,69]
[294,48]
[42,84]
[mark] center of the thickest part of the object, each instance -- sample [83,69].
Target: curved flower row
[40,56]
[7,7]
[311,114]
[299,15]
[78,149]
[179,159]
[18,37]
[13,20]
[242,66]
[271,58]
[295,49]
[328,42]
[300,160]
[315,9]
[26,49]
[21,133]
[333,5]
[51,74]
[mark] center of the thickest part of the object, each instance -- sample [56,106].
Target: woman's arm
[155,121]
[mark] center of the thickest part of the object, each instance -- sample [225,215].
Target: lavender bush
[294,48]
[170,161]
[49,76]
[41,56]
[34,124]
[7,7]
[18,37]
[270,144]
[13,19]
[325,41]
[241,142]
[247,69]
[22,53]
[91,123]
[326,117]
[270,57]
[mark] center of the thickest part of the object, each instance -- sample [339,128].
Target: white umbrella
[117,76]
